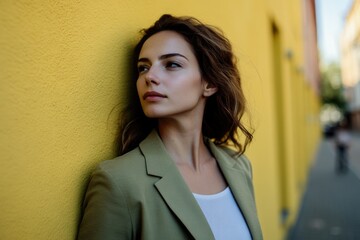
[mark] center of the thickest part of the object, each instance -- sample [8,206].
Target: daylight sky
[330,20]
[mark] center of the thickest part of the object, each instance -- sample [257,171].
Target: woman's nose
[151,76]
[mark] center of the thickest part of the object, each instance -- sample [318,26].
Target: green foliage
[331,86]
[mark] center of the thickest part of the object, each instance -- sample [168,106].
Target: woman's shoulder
[241,159]
[127,158]
[128,165]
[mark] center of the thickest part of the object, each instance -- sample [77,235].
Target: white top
[343,137]
[223,215]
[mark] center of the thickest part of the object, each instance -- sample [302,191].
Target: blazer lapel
[172,187]
[241,187]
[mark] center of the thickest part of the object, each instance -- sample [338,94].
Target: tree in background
[332,92]
[334,105]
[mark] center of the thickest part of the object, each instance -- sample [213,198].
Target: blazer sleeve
[105,211]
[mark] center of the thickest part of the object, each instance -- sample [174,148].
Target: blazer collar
[178,196]
[172,187]
[240,183]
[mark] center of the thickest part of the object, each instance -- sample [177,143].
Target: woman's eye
[142,68]
[172,65]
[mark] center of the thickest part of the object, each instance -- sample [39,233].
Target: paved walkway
[331,205]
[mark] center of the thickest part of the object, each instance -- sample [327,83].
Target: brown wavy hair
[223,110]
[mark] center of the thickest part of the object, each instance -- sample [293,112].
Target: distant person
[342,143]
[176,177]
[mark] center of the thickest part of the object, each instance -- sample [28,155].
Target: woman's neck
[184,142]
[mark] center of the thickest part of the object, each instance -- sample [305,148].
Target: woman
[175,179]
[342,144]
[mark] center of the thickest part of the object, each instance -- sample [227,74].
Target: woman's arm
[106,213]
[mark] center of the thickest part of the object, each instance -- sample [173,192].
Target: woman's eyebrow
[165,56]
[143,60]
[169,55]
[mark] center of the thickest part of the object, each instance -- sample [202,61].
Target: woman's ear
[209,89]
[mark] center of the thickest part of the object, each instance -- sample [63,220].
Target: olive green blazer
[142,195]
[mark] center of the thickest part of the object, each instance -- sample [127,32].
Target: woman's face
[169,83]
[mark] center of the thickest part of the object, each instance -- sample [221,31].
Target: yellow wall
[64,67]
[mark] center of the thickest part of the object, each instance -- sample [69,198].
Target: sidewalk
[331,204]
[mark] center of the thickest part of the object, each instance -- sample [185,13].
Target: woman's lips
[152,95]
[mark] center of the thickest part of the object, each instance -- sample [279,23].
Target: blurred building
[350,63]
[311,59]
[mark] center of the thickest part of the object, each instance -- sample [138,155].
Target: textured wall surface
[63,72]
